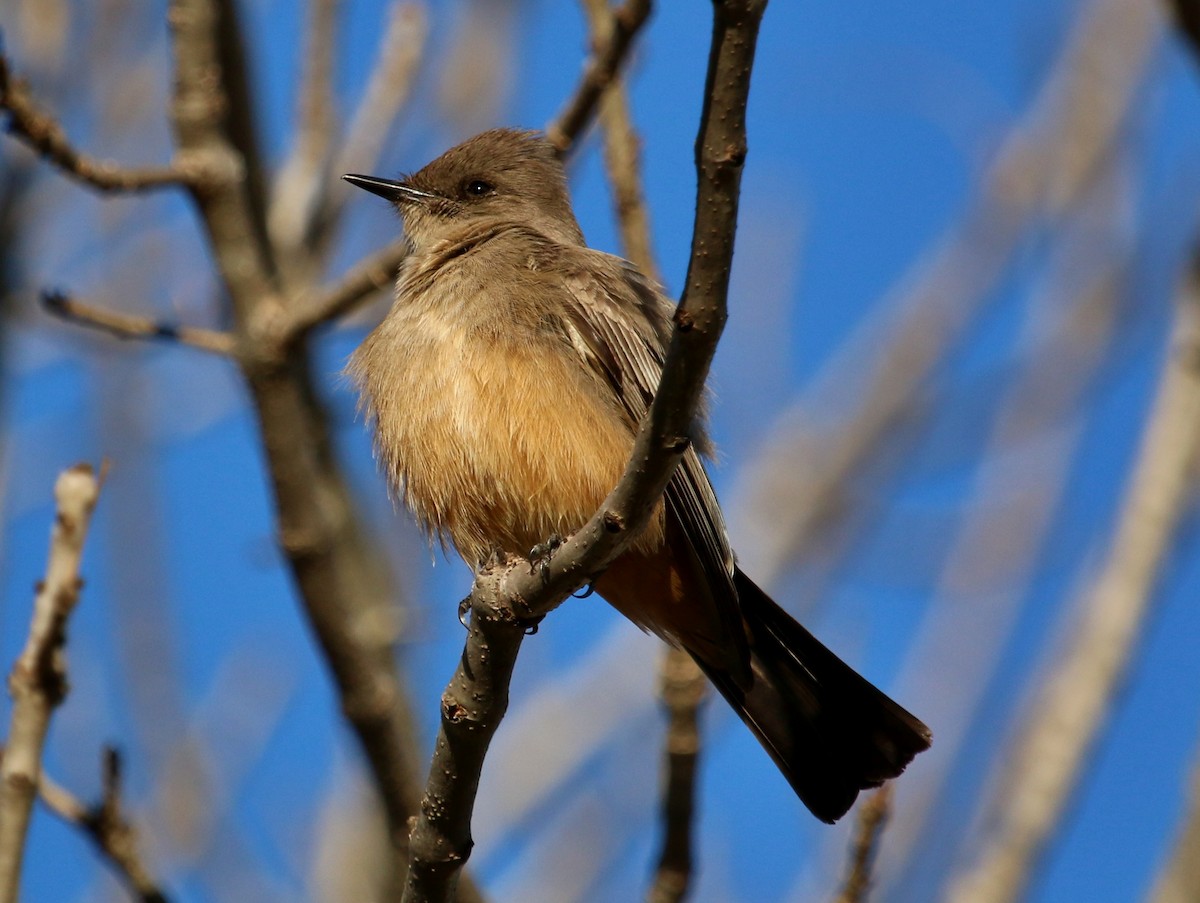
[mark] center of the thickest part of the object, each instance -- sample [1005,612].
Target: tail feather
[830,732]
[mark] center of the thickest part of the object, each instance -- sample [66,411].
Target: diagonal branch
[107,827]
[38,681]
[506,597]
[598,74]
[1043,768]
[368,276]
[131,326]
[39,130]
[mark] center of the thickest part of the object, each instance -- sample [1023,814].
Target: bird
[506,386]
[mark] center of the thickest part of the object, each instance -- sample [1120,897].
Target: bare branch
[1179,880]
[370,275]
[508,597]
[1044,766]
[872,816]
[598,74]
[303,177]
[38,682]
[107,827]
[131,326]
[621,152]
[684,688]
[335,566]
[43,133]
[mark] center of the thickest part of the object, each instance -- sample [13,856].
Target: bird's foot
[540,555]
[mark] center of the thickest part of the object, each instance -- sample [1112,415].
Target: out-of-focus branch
[38,681]
[505,598]
[129,326]
[599,73]
[302,178]
[43,133]
[684,687]
[872,817]
[107,827]
[387,93]
[326,550]
[1179,881]
[367,277]
[1062,727]
[621,153]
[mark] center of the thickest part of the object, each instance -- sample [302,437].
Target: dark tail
[830,732]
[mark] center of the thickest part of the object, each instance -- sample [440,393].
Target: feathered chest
[489,424]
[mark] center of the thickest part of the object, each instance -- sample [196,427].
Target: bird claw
[587,590]
[464,611]
[531,626]
[540,555]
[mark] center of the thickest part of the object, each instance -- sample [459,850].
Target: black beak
[396,192]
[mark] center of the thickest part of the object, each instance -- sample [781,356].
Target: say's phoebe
[507,384]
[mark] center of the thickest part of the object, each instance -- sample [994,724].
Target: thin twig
[506,597]
[131,326]
[684,688]
[105,824]
[872,816]
[43,133]
[621,153]
[370,275]
[1062,728]
[38,682]
[599,72]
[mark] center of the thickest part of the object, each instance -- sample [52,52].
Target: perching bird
[506,386]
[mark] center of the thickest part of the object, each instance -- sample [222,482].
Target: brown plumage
[507,384]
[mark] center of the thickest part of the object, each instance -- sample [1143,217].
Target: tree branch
[40,131]
[684,688]
[105,824]
[872,817]
[1044,766]
[598,74]
[336,568]
[130,326]
[38,682]
[621,153]
[370,275]
[507,597]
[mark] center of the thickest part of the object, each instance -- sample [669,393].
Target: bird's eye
[478,188]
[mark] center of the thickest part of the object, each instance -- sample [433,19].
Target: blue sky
[871,128]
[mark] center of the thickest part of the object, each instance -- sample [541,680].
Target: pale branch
[1178,880]
[388,90]
[872,817]
[684,688]
[42,132]
[1044,765]
[332,562]
[303,178]
[599,73]
[131,326]
[621,155]
[107,827]
[368,276]
[511,595]
[38,681]
[388,87]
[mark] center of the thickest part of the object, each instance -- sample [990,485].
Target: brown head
[503,175]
